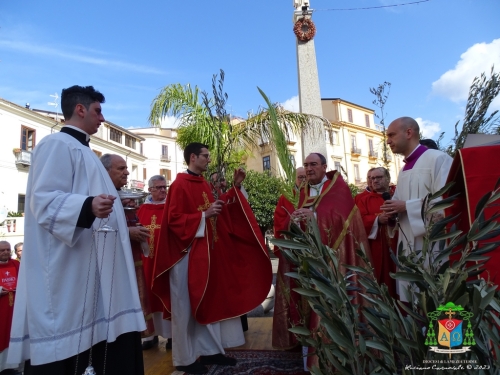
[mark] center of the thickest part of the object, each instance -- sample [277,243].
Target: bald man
[424,170]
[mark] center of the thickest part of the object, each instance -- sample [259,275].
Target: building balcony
[23,157]
[388,157]
[165,158]
[373,154]
[355,151]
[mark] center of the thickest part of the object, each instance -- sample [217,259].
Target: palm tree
[204,119]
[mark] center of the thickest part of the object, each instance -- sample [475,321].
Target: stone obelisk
[309,94]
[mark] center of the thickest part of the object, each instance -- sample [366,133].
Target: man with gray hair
[150,215]
[9,269]
[425,171]
[376,222]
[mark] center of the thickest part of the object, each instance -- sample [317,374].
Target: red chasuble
[369,208]
[286,302]
[151,216]
[341,228]
[144,293]
[8,281]
[474,176]
[229,269]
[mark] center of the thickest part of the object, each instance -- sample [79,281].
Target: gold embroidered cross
[212,219]
[152,228]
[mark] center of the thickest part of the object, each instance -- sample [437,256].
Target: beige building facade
[354,144]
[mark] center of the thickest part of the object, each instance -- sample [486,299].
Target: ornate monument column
[313,139]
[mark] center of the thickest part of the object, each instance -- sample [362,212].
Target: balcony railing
[388,156]
[165,158]
[355,151]
[373,154]
[23,157]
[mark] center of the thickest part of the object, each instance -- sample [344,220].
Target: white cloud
[169,122]
[428,128]
[292,104]
[36,49]
[455,83]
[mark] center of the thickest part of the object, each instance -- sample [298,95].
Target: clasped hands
[392,207]
[302,214]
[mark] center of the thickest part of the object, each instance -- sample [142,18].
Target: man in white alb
[76,287]
[425,171]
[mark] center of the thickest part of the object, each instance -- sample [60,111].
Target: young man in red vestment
[211,268]
[286,301]
[375,222]
[327,199]
[9,269]
[150,215]
[118,172]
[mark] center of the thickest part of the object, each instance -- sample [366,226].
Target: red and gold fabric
[142,285]
[474,178]
[287,303]
[229,269]
[369,208]
[8,281]
[151,216]
[341,228]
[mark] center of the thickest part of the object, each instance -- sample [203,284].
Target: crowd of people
[102,278]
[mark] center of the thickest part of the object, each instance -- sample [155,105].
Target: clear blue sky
[130,50]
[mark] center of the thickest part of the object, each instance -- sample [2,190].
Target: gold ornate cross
[449,313]
[205,207]
[152,228]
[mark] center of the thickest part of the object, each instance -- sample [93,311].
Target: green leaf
[485,301]
[377,345]
[300,330]
[446,236]
[307,292]
[477,237]
[407,276]
[288,244]
[441,191]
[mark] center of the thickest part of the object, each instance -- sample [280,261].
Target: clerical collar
[318,187]
[76,133]
[192,173]
[413,157]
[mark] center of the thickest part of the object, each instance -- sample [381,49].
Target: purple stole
[412,159]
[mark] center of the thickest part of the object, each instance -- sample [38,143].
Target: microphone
[392,219]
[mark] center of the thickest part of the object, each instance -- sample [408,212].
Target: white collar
[318,186]
[80,130]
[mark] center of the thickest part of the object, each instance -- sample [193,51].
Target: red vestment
[8,281]
[229,269]
[369,208]
[151,216]
[144,293]
[473,179]
[341,228]
[287,303]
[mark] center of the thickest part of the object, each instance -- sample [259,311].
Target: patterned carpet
[262,362]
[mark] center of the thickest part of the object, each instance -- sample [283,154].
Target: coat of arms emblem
[452,335]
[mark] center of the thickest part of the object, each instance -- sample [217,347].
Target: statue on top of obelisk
[309,94]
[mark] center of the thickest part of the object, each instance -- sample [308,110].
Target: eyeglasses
[206,156]
[159,187]
[301,177]
[374,178]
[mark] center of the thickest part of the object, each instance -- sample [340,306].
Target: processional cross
[152,228]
